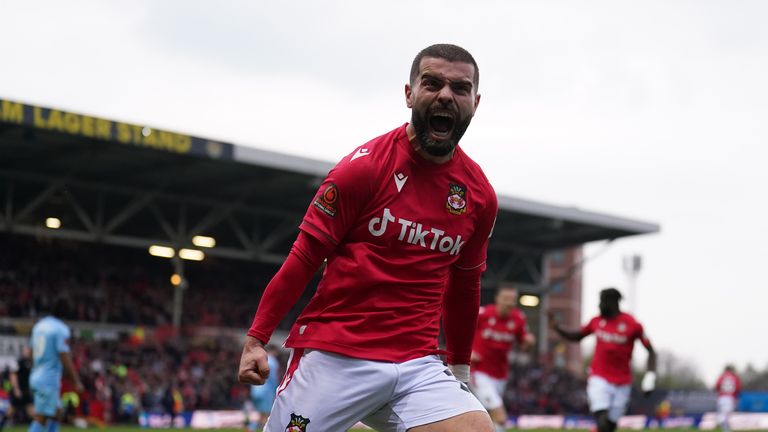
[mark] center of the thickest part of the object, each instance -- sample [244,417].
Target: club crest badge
[622,327]
[326,201]
[457,199]
[297,424]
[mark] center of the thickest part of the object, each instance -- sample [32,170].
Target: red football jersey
[615,341]
[397,222]
[728,384]
[494,338]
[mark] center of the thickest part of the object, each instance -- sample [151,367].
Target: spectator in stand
[9,386]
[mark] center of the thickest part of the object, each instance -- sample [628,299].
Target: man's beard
[432,146]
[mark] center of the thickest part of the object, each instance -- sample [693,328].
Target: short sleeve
[339,201]
[62,339]
[475,252]
[640,335]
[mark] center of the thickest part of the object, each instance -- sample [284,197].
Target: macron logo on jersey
[360,153]
[416,234]
[400,180]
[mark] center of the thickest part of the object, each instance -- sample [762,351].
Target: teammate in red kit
[499,327]
[610,378]
[727,387]
[403,222]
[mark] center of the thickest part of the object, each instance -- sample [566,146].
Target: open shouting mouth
[441,125]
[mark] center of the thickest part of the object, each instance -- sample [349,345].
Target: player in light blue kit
[263,396]
[50,354]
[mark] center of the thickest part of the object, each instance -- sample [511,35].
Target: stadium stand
[115,189]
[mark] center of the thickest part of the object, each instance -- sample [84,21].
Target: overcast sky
[653,110]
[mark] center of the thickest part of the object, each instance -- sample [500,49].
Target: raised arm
[567,334]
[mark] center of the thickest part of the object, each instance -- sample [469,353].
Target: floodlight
[203,241]
[53,223]
[161,251]
[191,254]
[529,300]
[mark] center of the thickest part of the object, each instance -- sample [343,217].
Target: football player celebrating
[610,378]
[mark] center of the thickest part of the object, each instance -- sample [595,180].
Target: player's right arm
[570,335]
[282,292]
[333,211]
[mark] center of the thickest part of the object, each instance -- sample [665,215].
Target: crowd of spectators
[537,387]
[102,284]
[125,378]
[107,284]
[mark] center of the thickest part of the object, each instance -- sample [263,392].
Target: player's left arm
[66,361]
[651,364]
[649,379]
[461,302]
[529,340]
[523,335]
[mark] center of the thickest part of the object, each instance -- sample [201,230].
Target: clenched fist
[254,367]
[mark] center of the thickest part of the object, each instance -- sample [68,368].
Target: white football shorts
[333,392]
[606,396]
[725,406]
[488,389]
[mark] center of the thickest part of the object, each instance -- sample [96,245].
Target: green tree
[753,379]
[674,372]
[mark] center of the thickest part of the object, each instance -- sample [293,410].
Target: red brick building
[563,272]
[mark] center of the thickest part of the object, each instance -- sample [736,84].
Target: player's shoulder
[57,323]
[480,188]
[44,324]
[374,152]
[628,319]
[474,171]
[366,163]
[517,314]
[595,321]
[488,310]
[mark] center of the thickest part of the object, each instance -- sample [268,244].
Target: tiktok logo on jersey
[497,336]
[416,234]
[611,337]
